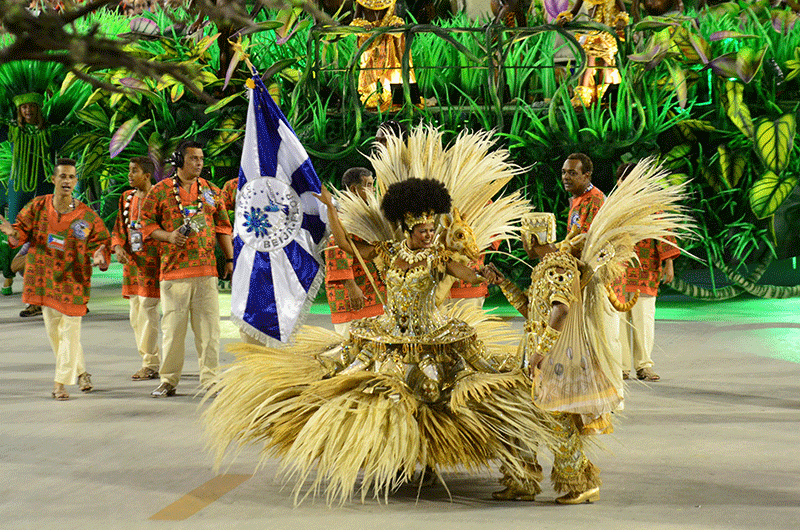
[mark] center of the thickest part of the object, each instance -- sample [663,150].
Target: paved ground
[715,444]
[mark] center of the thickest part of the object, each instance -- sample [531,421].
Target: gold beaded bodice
[604,11]
[410,301]
[413,339]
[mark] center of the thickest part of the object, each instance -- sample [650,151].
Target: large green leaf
[93,160]
[725,65]
[748,63]
[693,47]
[793,65]
[651,57]
[769,192]
[676,156]
[176,92]
[123,136]
[78,142]
[725,34]
[724,8]
[731,166]
[67,82]
[678,76]
[736,108]
[94,116]
[653,25]
[676,179]
[279,66]
[774,141]
[221,103]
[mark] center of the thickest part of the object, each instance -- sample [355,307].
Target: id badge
[137,241]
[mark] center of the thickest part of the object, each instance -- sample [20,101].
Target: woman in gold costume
[381,63]
[419,386]
[600,48]
[569,352]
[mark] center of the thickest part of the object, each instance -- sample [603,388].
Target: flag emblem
[268,214]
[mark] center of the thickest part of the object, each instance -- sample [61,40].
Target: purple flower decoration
[554,8]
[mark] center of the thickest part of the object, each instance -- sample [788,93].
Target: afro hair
[414,196]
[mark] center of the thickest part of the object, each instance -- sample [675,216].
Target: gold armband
[547,340]
[514,295]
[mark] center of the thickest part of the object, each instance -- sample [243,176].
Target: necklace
[136,225]
[71,208]
[185,211]
[413,256]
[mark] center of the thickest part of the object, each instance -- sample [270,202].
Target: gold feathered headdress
[470,167]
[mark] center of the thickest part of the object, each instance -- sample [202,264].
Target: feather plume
[366,431]
[643,206]
[470,168]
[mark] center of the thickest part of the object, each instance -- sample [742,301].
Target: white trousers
[64,333]
[195,301]
[611,319]
[144,321]
[637,331]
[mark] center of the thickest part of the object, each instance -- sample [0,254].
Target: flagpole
[364,266]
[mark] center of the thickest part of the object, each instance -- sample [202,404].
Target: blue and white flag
[280,228]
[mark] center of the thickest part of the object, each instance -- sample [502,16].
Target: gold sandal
[85,382]
[144,374]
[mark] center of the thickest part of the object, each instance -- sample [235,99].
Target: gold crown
[426,217]
[376,4]
[541,225]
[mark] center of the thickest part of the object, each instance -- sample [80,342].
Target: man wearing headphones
[186,214]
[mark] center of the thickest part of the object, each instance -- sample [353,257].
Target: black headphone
[177,156]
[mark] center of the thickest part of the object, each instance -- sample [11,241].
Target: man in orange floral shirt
[67,238]
[185,213]
[350,293]
[141,266]
[637,328]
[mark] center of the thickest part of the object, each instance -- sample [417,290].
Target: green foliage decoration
[769,192]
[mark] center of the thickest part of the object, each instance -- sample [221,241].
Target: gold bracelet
[547,340]
[513,294]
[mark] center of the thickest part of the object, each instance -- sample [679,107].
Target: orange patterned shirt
[140,274]
[583,209]
[646,275]
[229,191]
[160,211]
[340,266]
[58,267]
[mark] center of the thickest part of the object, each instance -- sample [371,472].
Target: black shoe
[163,390]
[31,311]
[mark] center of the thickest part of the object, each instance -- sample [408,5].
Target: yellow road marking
[199,498]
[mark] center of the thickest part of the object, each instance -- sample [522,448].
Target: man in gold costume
[600,48]
[569,352]
[381,63]
[561,360]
